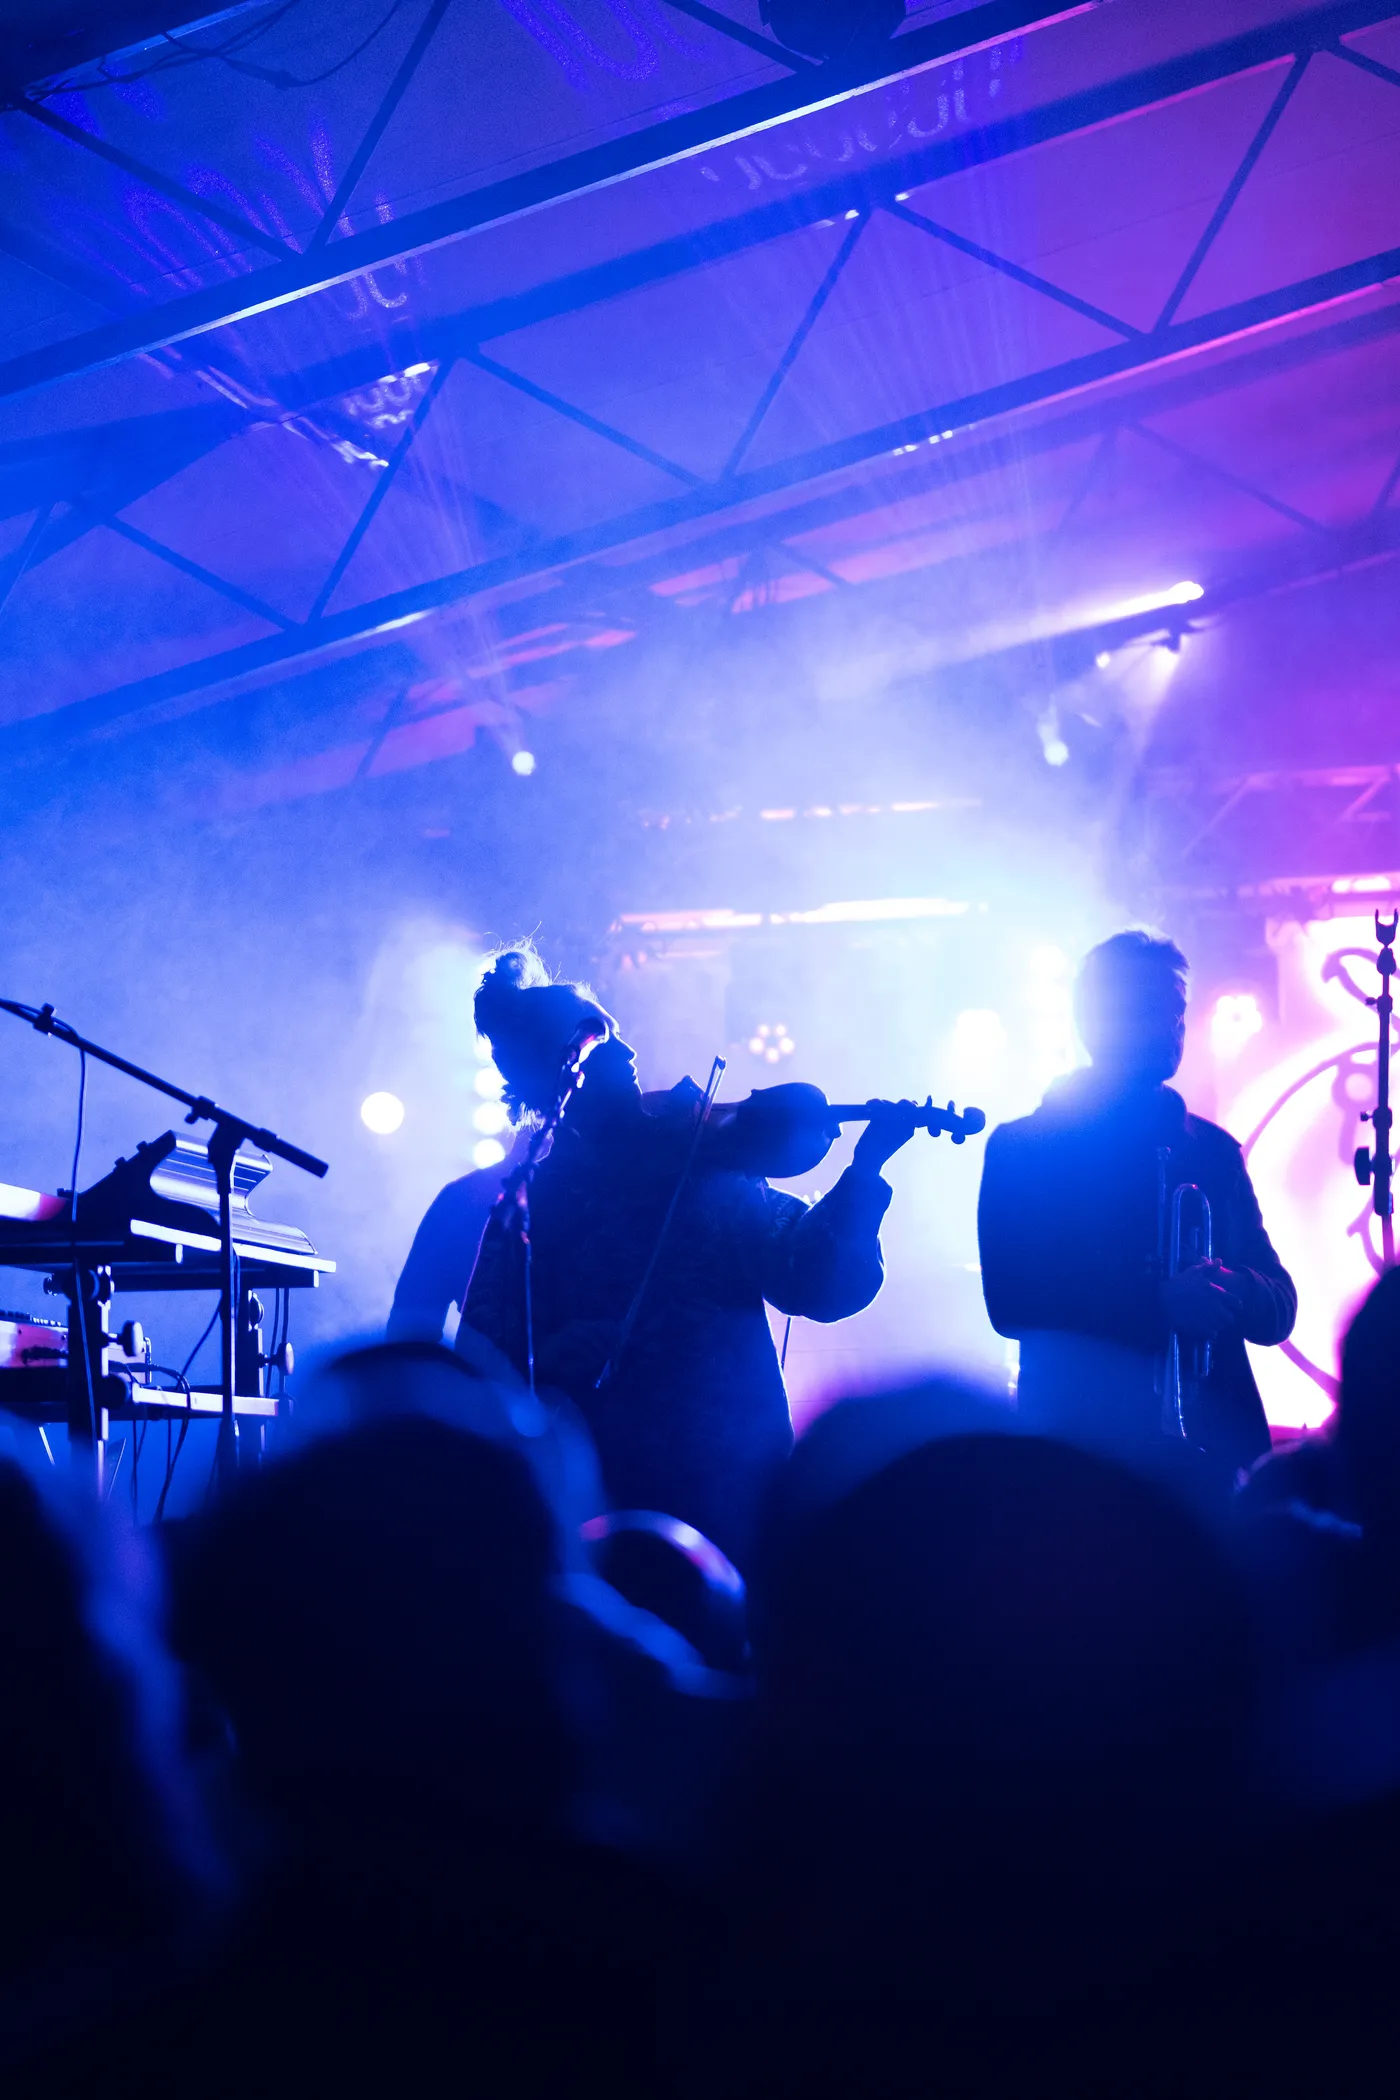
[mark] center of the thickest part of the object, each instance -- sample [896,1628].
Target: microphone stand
[230,1131]
[1374,1165]
[514,1199]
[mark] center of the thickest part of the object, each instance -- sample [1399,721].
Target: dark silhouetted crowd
[406,1767]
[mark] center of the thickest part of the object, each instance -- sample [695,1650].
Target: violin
[780,1131]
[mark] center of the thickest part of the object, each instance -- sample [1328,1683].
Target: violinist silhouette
[685,1399]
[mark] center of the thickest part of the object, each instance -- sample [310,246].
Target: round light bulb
[381,1113]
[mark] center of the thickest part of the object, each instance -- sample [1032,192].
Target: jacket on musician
[692,1418]
[434,1277]
[1068,1224]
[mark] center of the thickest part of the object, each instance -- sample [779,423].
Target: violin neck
[928,1118]
[859,1112]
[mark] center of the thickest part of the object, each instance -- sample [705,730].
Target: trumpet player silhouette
[680,1385]
[1072,1227]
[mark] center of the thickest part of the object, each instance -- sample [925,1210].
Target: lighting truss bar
[680,137]
[404,608]
[864,911]
[1327,896]
[1371,777]
[862,191]
[946,465]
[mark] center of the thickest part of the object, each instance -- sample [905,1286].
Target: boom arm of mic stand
[201,1108]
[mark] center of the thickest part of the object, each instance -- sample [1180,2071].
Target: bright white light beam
[1152,601]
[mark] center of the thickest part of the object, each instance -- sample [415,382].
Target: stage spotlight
[1052,743]
[1235,1020]
[523,762]
[771,1041]
[1150,601]
[488,1153]
[489,1083]
[381,1113]
[978,1034]
[831,29]
[1103,659]
[491,1118]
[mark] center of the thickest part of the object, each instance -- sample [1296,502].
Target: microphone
[591,1031]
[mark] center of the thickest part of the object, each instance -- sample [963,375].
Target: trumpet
[1184,1237]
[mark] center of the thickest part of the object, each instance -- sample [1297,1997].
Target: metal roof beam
[597,167]
[1231,193]
[696,131]
[14,568]
[405,607]
[382,485]
[378,124]
[154,179]
[789,357]
[766,46]
[1231,480]
[599,582]
[46,43]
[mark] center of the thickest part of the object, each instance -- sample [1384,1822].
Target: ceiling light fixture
[1150,601]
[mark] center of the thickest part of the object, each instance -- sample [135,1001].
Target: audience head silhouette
[1368,1417]
[996,1668]
[106,1861]
[373,1616]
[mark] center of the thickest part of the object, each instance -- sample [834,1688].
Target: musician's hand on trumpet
[1203,1301]
[891,1125]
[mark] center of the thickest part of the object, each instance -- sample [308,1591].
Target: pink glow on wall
[1293,1096]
